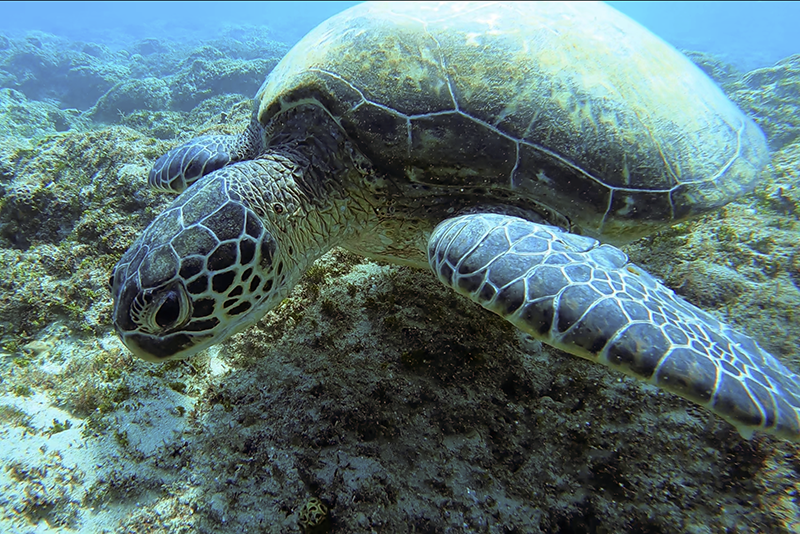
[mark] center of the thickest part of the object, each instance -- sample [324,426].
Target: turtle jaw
[185,337]
[161,349]
[180,343]
[139,320]
[176,346]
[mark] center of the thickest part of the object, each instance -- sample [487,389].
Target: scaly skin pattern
[573,293]
[182,166]
[231,247]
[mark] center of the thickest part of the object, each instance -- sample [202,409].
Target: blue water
[747,34]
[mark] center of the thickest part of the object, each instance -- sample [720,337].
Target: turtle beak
[162,348]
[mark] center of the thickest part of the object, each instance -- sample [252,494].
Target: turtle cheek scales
[198,286]
[247,251]
[240,309]
[191,267]
[253,226]
[202,326]
[254,283]
[267,249]
[221,282]
[218,256]
[223,257]
[203,307]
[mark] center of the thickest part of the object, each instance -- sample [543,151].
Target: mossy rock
[770,96]
[129,96]
[203,79]
[25,118]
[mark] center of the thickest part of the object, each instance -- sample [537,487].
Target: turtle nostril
[169,312]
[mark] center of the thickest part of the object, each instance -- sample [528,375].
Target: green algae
[12,415]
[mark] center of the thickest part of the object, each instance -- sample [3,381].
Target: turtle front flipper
[575,294]
[182,166]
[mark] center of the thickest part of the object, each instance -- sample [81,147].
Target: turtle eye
[169,312]
[157,311]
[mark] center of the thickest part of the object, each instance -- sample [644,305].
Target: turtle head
[207,267]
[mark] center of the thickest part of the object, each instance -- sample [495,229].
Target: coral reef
[46,67]
[372,392]
[20,117]
[131,95]
[770,96]
[203,78]
[72,81]
[767,94]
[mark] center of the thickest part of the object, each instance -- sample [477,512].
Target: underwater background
[372,391]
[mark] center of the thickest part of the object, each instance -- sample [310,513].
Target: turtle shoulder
[577,108]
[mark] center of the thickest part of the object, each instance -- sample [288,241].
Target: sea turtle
[490,143]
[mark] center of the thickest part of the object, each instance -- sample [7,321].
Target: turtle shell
[570,106]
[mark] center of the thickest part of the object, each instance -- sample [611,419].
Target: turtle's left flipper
[586,298]
[183,165]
